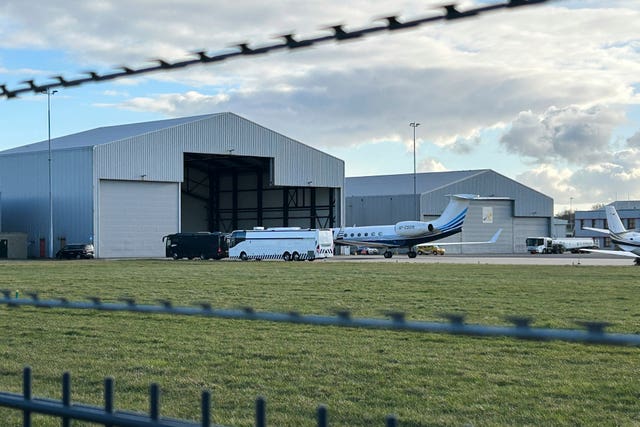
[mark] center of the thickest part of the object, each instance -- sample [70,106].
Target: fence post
[206,408]
[261,412]
[154,404]
[66,396]
[26,394]
[391,421]
[108,397]
[322,416]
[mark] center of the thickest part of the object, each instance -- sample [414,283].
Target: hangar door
[133,217]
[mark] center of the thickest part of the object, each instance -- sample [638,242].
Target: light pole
[571,227]
[49,93]
[414,125]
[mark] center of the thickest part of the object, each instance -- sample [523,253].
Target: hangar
[125,187]
[520,211]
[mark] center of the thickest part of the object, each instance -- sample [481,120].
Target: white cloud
[550,180]
[634,140]
[574,134]
[562,75]
[193,102]
[431,165]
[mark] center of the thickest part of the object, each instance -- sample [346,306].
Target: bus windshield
[237,237]
[534,241]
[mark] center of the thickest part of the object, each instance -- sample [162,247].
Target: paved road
[525,259]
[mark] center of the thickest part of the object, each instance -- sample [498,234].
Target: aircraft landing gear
[388,254]
[412,254]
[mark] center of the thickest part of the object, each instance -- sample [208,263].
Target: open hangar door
[134,216]
[227,192]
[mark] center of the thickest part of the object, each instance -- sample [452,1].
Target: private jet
[409,234]
[627,241]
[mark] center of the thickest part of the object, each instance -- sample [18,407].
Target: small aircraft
[628,241]
[409,234]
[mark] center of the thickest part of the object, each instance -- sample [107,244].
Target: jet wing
[488,242]
[363,243]
[597,230]
[619,253]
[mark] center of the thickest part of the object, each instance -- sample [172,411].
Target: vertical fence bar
[322,416]
[66,396]
[206,408]
[26,394]
[391,421]
[154,402]
[261,412]
[108,397]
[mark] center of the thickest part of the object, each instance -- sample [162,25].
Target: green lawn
[361,375]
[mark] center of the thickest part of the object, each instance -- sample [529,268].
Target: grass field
[361,375]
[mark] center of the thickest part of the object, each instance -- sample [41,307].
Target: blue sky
[546,95]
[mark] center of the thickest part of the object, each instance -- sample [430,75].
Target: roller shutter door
[133,217]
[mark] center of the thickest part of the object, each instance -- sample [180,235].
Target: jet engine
[413,228]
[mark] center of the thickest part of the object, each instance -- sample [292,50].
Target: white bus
[287,243]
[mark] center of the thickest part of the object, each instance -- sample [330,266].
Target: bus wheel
[174,256]
[243,256]
[388,254]
[203,257]
[296,256]
[286,256]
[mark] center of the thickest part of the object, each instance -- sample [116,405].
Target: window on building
[593,222]
[606,225]
[631,223]
[607,242]
[581,223]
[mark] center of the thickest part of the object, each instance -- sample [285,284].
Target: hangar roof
[388,185]
[105,135]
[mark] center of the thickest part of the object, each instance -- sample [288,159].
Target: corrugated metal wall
[378,210]
[25,193]
[528,227]
[527,202]
[483,219]
[158,155]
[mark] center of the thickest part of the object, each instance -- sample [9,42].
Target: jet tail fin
[613,220]
[455,212]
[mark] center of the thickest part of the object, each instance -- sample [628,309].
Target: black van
[196,245]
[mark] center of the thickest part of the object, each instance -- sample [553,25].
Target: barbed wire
[289,41]
[592,332]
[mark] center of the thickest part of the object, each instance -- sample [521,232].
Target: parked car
[430,250]
[76,251]
[362,250]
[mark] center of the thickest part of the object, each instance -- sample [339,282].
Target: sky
[546,95]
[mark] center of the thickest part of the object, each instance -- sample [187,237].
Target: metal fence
[108,416]
[591,333]
[289,42]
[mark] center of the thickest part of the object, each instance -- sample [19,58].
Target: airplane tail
[455,212]
[613,220]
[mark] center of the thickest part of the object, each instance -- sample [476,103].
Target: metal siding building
[628,211]
[124,187]
[519,210]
